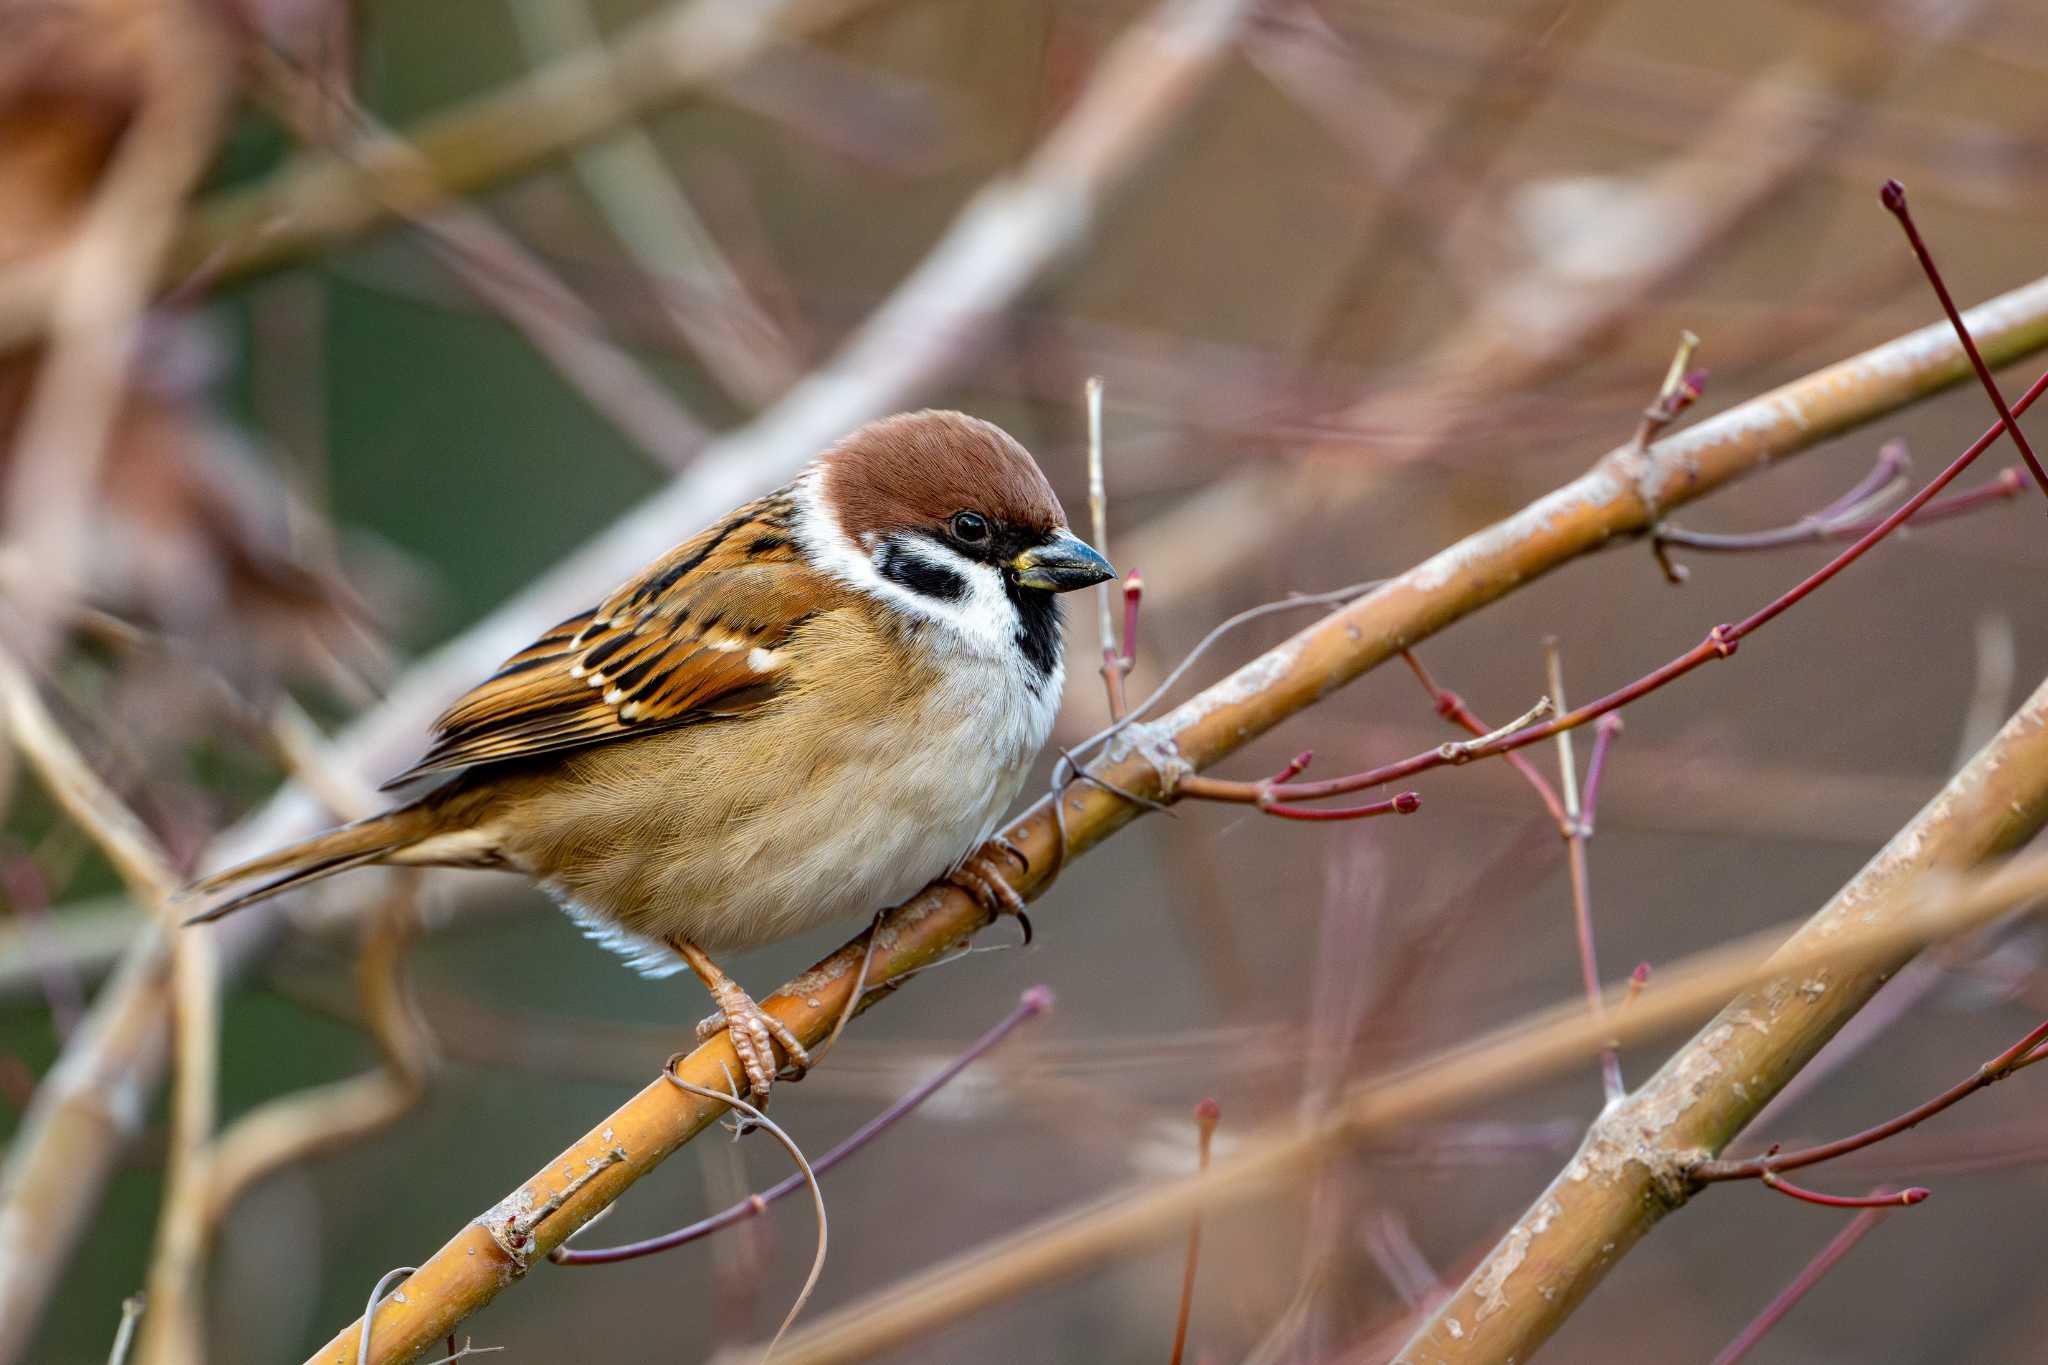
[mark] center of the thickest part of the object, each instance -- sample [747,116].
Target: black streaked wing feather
[674,646]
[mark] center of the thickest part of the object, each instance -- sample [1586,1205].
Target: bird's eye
[970,528]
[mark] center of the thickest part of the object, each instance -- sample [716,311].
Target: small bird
[811,710]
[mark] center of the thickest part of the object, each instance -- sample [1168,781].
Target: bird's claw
[755,1032]
[980,878]
[1017,855]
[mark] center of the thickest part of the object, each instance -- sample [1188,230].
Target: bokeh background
[1384,272]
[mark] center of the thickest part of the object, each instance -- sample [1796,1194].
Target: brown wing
[693,638]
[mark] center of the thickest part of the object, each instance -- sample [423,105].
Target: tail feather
[371,840]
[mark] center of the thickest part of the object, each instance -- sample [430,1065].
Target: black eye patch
[920,575]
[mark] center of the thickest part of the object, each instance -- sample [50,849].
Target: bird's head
[948,517]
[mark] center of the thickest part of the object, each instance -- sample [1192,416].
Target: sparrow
[811,710]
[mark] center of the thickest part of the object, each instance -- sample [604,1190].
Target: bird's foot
[755,1032]
[754,1035]
[980,878]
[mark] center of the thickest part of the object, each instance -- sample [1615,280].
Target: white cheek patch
[981,617]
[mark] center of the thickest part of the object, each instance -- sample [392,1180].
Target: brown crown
[916,469]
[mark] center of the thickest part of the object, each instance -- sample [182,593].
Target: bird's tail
[379,838]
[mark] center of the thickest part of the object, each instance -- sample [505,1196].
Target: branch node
[1462,751]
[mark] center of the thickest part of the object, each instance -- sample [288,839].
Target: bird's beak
[1061,564]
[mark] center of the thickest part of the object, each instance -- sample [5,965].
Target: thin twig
[1207,1115]
[1893,195]
[1848,516]
[853,997]
[124,1335]
[1452,707]
[1098,517]
[384,1281]
[1680,390]
[1893,1199]
[810,1178]
[1581,876]
[1068,769]
[1604,734]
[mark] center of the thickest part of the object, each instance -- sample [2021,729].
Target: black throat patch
[1038,627]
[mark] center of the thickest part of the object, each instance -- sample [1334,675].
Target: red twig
[1207,1115]
[1882,1200]
[1031,1004]
[2023,1053]
[1604,736]
[1407,803]
[1887,477]
[1118,659]
[1847,517]
[1894,196]
[1261,794]
[1452,707]
[1857,1228]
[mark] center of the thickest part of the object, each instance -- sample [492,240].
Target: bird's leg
[980,878]
[754,1031]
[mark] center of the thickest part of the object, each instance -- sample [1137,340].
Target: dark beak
[1061,564]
